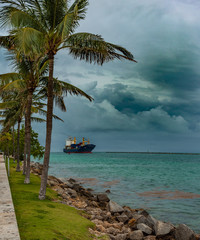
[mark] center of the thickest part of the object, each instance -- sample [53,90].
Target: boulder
[136,235]
[151,221]
[114,207]
[162,228]
[122,218]
[183,232]
[102,197]
[144,228]
[144,213]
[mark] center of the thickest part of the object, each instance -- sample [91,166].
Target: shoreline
[111,219]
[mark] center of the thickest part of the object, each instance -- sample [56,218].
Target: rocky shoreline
[112,220]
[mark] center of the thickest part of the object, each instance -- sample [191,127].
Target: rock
[77,187]
[87,194]
[58,189]
[144,228]
[100,228]
[122,218]
[162,228]
[102,197]
[136,235]
[114,207]
[72,193]
[150,238]
[121,237]
[107,191]
[112,230]
[71,180]
[65,196]
[183,232]
[144,213]
[132,222]
[151,221]
[128,213]
[69,184]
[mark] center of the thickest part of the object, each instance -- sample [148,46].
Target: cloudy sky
[153,105]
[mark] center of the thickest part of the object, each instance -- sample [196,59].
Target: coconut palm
[49,26]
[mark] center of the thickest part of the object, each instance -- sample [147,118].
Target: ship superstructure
[82,147]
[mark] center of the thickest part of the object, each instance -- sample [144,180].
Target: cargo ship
[81,147]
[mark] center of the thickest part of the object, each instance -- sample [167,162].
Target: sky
[152,105]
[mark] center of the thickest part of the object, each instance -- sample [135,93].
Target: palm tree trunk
[18,134]
[25,145]
[13,139]
[48,130]
[28,135]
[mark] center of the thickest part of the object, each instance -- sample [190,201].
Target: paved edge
[8,223]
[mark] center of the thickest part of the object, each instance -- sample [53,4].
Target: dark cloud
[152,105]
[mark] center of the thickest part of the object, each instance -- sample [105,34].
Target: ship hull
[80,149]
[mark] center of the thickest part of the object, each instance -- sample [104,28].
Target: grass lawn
[44,220]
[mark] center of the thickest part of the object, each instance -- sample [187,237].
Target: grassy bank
[44,220]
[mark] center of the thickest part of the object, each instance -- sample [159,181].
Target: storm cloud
[152,105]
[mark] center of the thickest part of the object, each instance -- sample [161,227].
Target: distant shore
[158,153]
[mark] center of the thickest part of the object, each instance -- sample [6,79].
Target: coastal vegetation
[37,30]
[46,219]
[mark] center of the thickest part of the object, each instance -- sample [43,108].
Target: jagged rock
[162,228]
[114,207]
[136,235]
[144,228]
[102,197]
[183,232]
[122,218]
[150,238]
[107,191]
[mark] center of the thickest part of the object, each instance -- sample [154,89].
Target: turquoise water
[167,185]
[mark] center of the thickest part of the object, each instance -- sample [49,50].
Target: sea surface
[166,185]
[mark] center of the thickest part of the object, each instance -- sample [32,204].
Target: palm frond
[92,48]
[59,101]
[39,120]
[30,41]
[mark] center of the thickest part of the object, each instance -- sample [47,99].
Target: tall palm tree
[49,26]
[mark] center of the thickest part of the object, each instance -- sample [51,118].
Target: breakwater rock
[112,220]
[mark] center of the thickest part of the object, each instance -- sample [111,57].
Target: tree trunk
[44,176]
[25,144]
[18,134]
[28,135]
[13,139]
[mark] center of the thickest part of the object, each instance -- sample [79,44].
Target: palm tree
[49,26]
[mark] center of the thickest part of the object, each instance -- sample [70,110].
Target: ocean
[166,185]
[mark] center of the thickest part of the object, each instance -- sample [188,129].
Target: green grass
[44,220]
